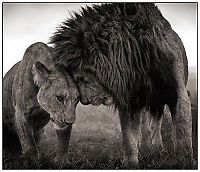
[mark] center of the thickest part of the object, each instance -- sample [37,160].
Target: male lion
[133,52]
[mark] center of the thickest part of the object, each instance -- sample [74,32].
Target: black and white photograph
[101,86]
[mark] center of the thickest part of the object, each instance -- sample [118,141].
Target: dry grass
[96,144]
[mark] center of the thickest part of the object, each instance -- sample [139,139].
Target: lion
[133,52]
[35,91]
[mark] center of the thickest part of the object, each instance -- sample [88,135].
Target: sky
[27,23]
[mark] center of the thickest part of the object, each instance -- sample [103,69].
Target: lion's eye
[60,98]
[83,80]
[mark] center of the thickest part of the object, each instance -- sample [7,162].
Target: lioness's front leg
[25,133]
[63,137]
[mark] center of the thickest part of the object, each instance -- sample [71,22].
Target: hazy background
[24,24]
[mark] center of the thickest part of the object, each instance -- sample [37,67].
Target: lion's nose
[85,101]
[108,101]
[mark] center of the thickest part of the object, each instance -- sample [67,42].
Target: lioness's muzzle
[61,125]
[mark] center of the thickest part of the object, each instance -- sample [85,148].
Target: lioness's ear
[40,73]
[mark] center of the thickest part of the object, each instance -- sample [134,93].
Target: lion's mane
[129,49]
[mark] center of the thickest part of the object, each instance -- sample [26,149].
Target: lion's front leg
[157,144]
[151,133]
[131,133]
[26,137]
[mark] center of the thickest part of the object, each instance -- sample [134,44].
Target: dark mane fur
[126,45]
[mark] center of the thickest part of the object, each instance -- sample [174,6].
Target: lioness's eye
[60,98]
[81,79]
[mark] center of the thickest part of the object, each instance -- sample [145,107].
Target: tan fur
[56,99]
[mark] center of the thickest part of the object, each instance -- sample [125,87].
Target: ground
[96,144]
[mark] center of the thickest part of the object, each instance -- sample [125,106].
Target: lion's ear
[40,73]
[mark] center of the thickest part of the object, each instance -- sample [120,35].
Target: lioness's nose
[58,124]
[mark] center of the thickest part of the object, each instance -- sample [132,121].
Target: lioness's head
[58,93]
